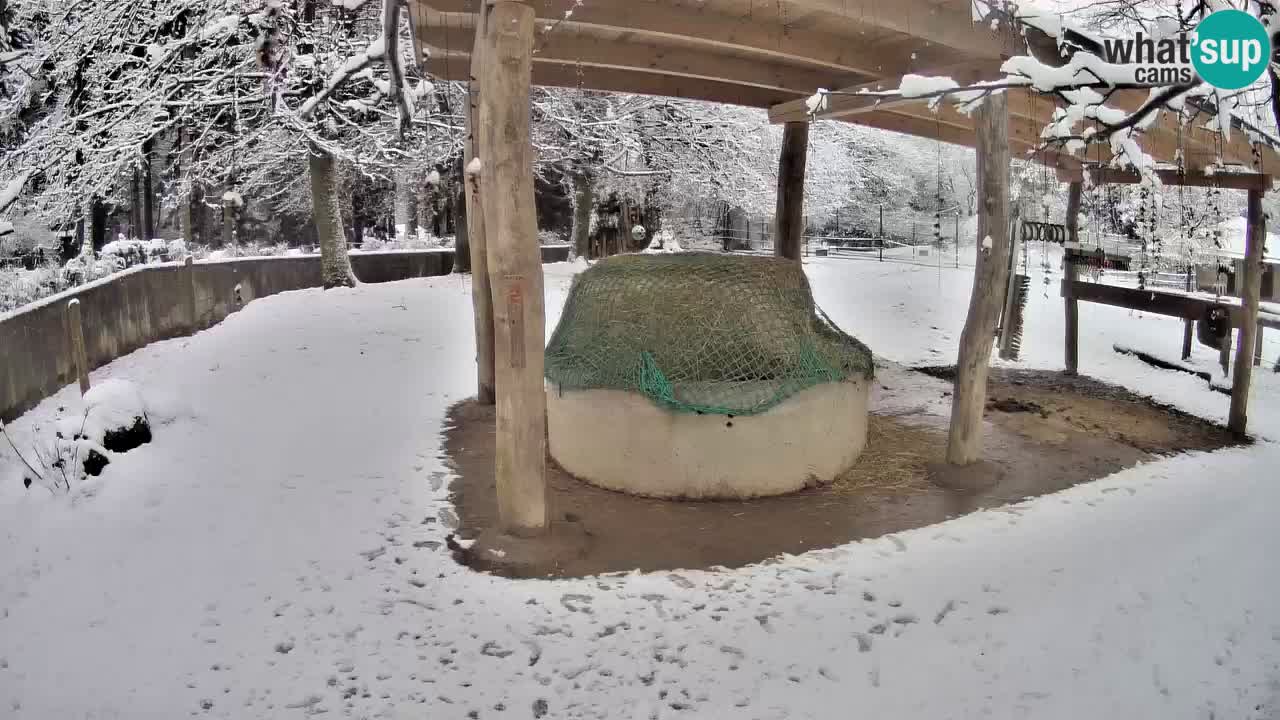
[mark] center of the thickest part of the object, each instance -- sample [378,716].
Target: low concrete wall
[624,441]
[156,302]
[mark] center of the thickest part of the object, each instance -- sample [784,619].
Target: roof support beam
[946,22]
[456,67]
[851,100]
[702,26]
[579,46]
[1257,182]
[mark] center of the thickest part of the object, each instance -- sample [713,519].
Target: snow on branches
[1077,67]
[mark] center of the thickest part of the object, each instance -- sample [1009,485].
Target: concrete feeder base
[623,441]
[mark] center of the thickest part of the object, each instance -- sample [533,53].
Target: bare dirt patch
[1046,432]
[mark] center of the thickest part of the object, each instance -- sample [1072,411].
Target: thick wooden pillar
[964,440]
[481,288]
[1071,273]
[515,266]
[789,218]
[1250,290]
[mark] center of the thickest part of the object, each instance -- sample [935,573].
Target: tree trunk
[477,243]
[229,238]
[964,441]
[148,194]
[135,205]
[405,218]
[515,267]
[790,203]
[335,267]
[1250,292]
[426,206]
[97,223]
[186,191]
[583,201]
[625,241]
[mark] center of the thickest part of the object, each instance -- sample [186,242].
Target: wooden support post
[481,282]
[1188,326]
[78,355]
[1071,272]
[964,441]
[189,279]
[789,217]
[1250,291]
[515,266]
[1224,352]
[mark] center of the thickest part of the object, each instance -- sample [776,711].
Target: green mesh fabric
[699,332]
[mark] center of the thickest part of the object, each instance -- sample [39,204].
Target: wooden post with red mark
[515,266]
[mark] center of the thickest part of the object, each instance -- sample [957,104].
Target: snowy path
[276,553]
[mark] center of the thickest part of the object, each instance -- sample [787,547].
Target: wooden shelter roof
[773,54]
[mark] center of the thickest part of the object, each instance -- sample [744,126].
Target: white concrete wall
[623,441]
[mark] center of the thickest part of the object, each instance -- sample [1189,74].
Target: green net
[700,332]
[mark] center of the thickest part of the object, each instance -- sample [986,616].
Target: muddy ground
[1046,432]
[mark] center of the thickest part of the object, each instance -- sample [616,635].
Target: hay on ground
[895,459]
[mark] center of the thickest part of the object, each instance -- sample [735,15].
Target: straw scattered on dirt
[894,461]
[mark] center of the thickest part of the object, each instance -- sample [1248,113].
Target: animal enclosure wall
[149,303]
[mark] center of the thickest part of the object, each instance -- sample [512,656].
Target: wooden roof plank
[578,46]
[456,66]
[654,21]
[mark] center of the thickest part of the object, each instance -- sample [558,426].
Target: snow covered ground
[276,552]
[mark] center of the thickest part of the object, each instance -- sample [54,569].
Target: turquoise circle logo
[1231,49]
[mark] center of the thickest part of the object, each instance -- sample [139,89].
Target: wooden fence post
[1250,292]
[789,216]
[1071,273]
[78,355]
[964,440]
[188,273]
[515,265]
[1188,326]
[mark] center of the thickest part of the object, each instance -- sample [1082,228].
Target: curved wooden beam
[578,45]
[456,67]
[649,20]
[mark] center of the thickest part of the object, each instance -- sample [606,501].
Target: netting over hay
[700,332]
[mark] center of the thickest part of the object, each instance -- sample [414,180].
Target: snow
[225,25]
[114,403]
[6,227]
[1234,231]
[921,85]
[232,198]
[817,102]
[473,168]
[12,189]
[433,177]
[274,552]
